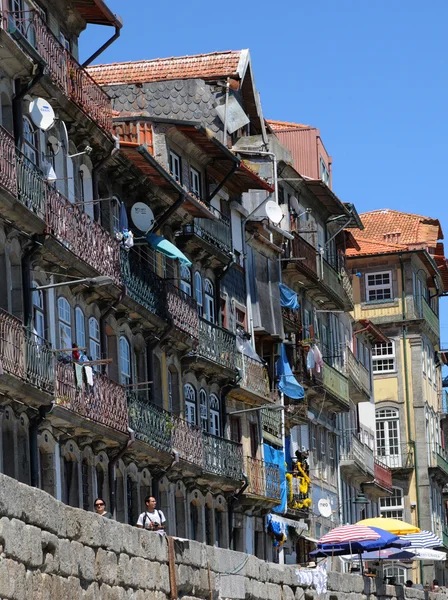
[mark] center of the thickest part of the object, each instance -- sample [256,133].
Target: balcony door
[388,436]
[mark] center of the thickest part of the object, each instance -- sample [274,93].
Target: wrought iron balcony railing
[254,376]
[222,457]
[183,310]
[187,440]
[271,422]
[63,69]
[307,252]
[216,232]
[143,285]
[217,344]
[30,185]
[86,238]
[354,450]
[151,424]
[24,354]
[104,402]
[398,456]
[8,171]
[263,477]
[383,475]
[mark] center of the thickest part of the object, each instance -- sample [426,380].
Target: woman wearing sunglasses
[100,508]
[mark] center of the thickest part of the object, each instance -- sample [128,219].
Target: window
[190,403]
[203,409]
[399,573]
[331,448]
[65,323]
[215,419]
[306,324]
[313,437]
[379,287]
[80,328]
[30,144]
[185,276]
[324,173]
[209,299]
[195,185]
[392,507]
[175,168]
[240,317]
[94,339]
[429,362]
[383,357]
[125,361]
[235,429]
[115,211]
[388,436]
[198,292]
[38,313]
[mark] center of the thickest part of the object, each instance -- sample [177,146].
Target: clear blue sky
[371,75]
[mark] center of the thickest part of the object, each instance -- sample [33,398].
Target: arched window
[185,275]
[94,340]
[388,436]
[125,361]
[85,478]
[80,328]
[392,507]
[132,499]
[209,298]
[30,142]
[86,189]
[173,390]
[65,323]
[38,313]
[203,408]
[215,417]
[198,292]
[115,212]
[190,403]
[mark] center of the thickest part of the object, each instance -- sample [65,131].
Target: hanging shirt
[310,360]
[317,359]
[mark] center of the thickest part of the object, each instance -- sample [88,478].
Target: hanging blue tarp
[287,383]
[276,457]
[164,246]
[288,297]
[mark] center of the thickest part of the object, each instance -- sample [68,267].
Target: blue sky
[371,75]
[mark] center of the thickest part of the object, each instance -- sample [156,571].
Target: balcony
[223,458]
[24,355]
[383,475]
[31,32]
[271,423]
[253,386]
[183,310]
[143,286]
[358,379]
[291,319]
[398,457]
[104,402]
[439,464]
[8,172]
[217,347]
[85,238]
[151,424]
[337,384]
[212,236]
[431,318]
[264,479]
[187,441]
[338,284]
[357,461]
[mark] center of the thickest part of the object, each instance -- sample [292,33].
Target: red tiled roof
[395,227]
[368,247]
[285,125]
[201,66]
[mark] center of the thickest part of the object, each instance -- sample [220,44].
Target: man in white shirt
[151,519]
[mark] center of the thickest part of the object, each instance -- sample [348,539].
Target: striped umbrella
[424,539]
[349,533]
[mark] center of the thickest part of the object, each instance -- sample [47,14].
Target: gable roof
[216,65]
[286,126]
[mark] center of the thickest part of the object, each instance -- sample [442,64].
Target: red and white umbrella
[349,533]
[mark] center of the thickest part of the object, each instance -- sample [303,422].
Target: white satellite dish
[55,144]
[294,204]
[41,113]
[142,216]
[273,212]
[324,508]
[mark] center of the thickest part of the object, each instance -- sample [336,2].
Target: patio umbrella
[398,554]
[349,533]
[424,539]
[392,525]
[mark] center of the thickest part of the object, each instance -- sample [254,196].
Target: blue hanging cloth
[277,457]
[165,247]
[287,384]
[288,297]
[123,218]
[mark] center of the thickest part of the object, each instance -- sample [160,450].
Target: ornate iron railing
[30,185]
[222,457]
[215,232]
[292,318]
[383,475]
[187,441]
[151,424]
[12,344]
[104,402]
[263,477]
[39,362]
[143,285]
[62,67]
[183,310]
[396,456]
[271,422]
[8,174]
[358,372]
[86,238]
[254,376]
[217,344]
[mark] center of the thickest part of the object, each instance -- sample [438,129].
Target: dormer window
[324,172]
[195,182]
[175,166]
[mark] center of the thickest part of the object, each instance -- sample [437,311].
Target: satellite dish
[142,216]
[294,204]
[41,113]
[55,144]
[273,212]
[324,508]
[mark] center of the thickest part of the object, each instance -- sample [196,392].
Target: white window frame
[324,171]
[203,409]
[388,436]
[195,182]
[125,360]
[389,507]
[185,279]
[175,166]
[384,356]
[65,322]
[215,416]
[190,396]
[198,293]
[94,340]
[380,286]
[209,300]
[38,313]
[80,328]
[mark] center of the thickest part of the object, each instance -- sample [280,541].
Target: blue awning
[288,297]
[287,384]
[165,247]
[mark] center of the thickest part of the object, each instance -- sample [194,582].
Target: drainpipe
[110,41]
[111,470]
[35,423]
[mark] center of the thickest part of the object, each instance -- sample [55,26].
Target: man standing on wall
[152,519]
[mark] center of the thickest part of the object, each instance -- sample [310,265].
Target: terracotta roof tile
[285,125]
[367,247]
[200,66]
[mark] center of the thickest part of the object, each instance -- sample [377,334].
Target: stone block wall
[49,551]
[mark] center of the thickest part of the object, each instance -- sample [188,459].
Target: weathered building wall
[55,552]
